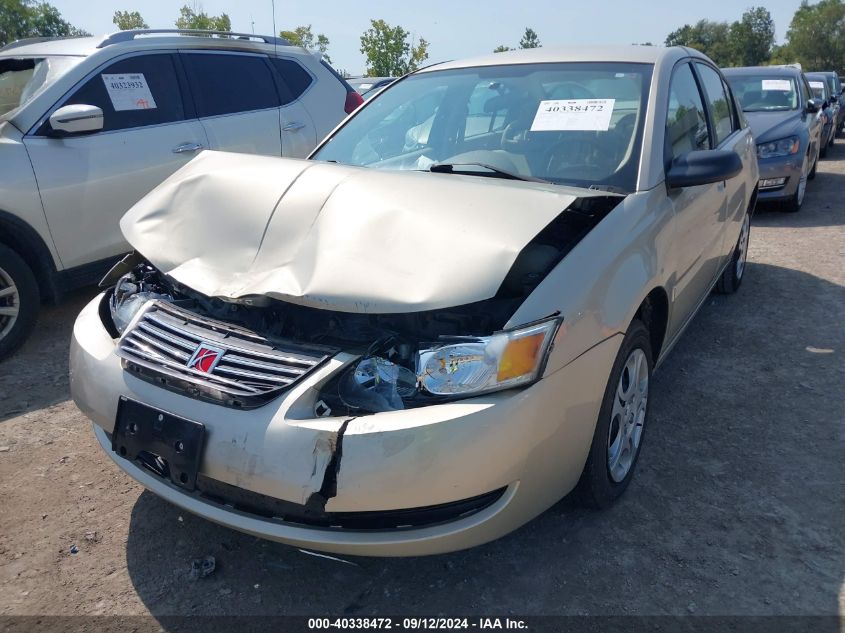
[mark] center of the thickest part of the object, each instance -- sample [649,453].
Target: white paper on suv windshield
[573,115]
[129,92]
[818,85]
[783,85]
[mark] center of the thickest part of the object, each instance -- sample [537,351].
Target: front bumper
[532,443]
[788,167]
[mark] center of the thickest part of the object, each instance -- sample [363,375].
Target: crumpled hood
[773,126]
[337,237]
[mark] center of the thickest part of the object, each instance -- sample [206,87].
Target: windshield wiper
[456,168]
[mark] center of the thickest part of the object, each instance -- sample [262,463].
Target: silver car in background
[439,325]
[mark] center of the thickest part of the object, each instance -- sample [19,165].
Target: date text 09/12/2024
[408,624]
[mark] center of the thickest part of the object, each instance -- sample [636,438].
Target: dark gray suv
[784,119]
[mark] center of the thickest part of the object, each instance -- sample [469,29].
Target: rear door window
[230,83]
[294,77]
[134,92]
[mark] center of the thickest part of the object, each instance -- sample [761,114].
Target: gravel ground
[737,506]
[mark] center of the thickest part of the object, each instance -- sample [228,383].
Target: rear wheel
[619,429]
[19,301]
[732,275]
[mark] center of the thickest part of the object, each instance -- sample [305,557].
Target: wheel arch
[28,244]
[653,311]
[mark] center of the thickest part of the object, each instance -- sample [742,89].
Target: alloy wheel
[742,246]
[10,302]
[802,183]
[628,415]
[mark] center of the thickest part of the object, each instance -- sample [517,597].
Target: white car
[88,126]
[416,341]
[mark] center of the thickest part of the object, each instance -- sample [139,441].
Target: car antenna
[275,36]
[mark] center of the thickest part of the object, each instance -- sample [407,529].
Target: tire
[794,204]
[602,480]
[19,299]
[812,174]
[733,274]
[822,154]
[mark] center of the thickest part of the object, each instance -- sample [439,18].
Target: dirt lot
[738,506]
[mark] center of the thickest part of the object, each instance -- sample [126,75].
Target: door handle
[187,147]
[293,126]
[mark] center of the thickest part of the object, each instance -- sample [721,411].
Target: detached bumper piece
[212,360]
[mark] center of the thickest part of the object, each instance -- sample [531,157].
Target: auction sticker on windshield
[783,85]
[573,115]
[129,92]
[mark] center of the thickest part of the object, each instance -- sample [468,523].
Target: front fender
[599,286]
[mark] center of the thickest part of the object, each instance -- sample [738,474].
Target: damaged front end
[243,352]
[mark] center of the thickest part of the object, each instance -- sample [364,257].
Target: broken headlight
[506,359]
[448,369]
[128,296]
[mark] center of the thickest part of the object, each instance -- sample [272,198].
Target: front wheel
[732,275]
[19,301]
[793,204]
[619,430]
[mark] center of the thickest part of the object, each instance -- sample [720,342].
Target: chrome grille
[252,370]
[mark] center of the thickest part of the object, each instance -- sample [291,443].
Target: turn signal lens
[520,356]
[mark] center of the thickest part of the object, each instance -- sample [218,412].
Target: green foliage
[129,20]
[816,37]
[302,36]
[189,18]
[529,39]
[388,52]
[752,37]
[746,42]
[20,19]
[709,37]
[502,49]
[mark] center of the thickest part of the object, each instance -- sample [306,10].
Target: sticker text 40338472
[571,115]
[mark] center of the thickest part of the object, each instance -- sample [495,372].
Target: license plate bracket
[168,445]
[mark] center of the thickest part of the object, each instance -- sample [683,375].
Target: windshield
[22,77]
[760,93]
[567,123]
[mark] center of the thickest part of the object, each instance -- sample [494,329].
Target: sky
[453,28]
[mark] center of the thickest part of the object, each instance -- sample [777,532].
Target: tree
[816,36]
[752,37]
[127,21]
[709,37]
[20,19]
[388,52]
[189,18]
[502,49]
[302,36]
[529,39]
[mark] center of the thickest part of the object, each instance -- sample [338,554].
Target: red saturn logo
[205,358]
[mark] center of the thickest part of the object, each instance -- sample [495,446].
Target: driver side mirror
[812,106]
[702,167]
[76,119]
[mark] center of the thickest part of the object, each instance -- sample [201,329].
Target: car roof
[551,54]
[771,71]
[55,46]
[148,39]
